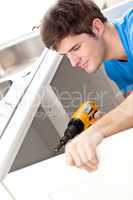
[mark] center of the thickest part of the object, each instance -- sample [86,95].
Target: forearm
[119,119]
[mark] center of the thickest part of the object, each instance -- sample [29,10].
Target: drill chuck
[63,141]
[74,128]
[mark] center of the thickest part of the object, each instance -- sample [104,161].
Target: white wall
[18,17]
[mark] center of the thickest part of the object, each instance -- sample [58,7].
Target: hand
[81,151]
[99,114]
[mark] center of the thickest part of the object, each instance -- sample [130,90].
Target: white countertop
[53,179]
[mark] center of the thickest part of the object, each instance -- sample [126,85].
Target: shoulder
[129,28]
[130,32]
[129,14]
[125,26]
[129,21]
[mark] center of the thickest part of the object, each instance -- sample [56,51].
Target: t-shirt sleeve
[130,31]
[112,73]
[116,71]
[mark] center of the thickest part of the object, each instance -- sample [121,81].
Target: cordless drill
[81,119]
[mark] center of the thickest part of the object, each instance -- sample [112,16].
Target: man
[78,29]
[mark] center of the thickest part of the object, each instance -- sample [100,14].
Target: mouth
[84,65]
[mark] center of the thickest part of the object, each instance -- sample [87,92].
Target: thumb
[99,114]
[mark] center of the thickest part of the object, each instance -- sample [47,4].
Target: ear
[98,27]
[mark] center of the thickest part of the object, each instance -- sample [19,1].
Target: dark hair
[69,17]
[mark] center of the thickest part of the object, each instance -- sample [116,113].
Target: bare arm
[120,118]
[81,151]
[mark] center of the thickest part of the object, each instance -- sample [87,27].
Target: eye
[76,47]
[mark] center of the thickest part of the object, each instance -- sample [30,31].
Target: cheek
[91,50]
[97,54]
[101,48]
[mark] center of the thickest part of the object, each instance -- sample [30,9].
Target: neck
[114,47]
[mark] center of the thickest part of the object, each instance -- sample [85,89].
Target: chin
[90,70]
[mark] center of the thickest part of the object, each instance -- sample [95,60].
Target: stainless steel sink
[4,87]
[19,54]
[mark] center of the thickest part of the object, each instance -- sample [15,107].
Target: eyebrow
[63,54]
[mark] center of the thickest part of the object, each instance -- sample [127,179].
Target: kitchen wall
[16,20]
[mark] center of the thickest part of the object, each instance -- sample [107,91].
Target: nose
[74,59]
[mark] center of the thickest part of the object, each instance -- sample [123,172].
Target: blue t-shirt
[121,72]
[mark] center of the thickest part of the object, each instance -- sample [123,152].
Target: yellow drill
[81,119]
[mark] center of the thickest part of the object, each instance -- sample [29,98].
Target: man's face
[83,51]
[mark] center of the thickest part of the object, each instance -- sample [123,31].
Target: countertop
[53,179]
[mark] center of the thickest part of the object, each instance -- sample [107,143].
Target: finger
[68,156]
[98,114]
[89,167]
[69,159]
[91,154]
[76,157]
[82,154]
[72,156]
